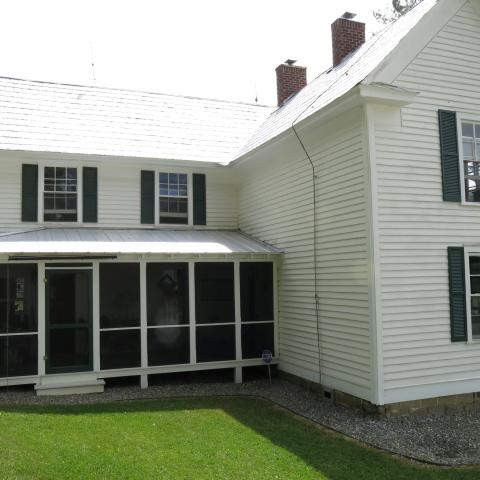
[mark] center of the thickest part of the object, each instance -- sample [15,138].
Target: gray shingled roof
[52,117]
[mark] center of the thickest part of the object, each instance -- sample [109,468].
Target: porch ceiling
[130,241]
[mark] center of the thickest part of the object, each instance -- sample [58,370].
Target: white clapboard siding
[118,192]
[275,205]
[416,226]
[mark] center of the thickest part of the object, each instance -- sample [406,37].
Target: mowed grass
[198,438]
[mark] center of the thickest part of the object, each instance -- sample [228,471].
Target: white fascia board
[36,155]
[414,42]
[386,95]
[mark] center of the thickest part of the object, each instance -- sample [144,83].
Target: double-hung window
[173,191]
[471,160]
[474,268]
[60,194]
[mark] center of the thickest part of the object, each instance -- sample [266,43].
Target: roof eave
[358,96]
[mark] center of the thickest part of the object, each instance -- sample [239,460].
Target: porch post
[238,320]
[143,323]
[96,315]
[41,318]
[191,304]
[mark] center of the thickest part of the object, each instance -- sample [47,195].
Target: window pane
[49,172]
[167,293]
[67,293]
[173,178]
[214,295]
[69,347]
[174,220]
[60,217]
[475,306]
[256,291]
[168,346]
[472,190]
[119,349]
[23,298]
[477,130]
[60,173]
[18,355]
[475,284]
[475,265]
[467,129]
[215,343]
[468,149]
[182,179]
[119,295]
[256,338]
[476,326]
[164,178]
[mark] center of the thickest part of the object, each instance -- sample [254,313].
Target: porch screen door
[68,305]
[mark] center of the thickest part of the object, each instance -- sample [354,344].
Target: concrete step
[70,387]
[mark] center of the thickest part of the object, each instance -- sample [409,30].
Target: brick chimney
[290,79]
[347,36]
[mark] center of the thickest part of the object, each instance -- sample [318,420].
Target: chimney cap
[290,62]
[349,15]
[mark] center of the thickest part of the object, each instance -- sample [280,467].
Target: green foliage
[397,9]
[205,438]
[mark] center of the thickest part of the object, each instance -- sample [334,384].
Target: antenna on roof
[256,93]
[94,80]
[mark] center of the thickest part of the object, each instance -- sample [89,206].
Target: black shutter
[447,122]
[199,199]
[458,310]
[147,200]
[90,201]
[29,193]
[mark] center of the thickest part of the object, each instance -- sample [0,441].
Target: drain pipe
[315,274]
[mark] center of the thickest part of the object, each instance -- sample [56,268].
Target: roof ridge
[133,90]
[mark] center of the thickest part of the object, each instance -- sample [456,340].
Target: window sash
[60,192]
[173,195]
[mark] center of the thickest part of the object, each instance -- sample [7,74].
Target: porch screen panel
[257,309]
[168,335]
[215,311]
[119,315]
[18,320]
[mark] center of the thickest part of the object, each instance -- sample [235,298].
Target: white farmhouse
[146,233]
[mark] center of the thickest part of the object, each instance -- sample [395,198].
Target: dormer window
[173,198]
[60,194]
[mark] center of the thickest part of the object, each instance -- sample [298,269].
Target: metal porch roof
[122,241]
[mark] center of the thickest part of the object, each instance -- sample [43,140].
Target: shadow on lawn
[330,454]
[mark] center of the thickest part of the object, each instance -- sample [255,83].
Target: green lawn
[201,438]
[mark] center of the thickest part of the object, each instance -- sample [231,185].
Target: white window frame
[67,192]
[464,117]
[189,199]
[40,190]
[469,252]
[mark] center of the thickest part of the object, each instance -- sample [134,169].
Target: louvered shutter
[90,202]
[449,156]
[199,199]
[147,197]
[29,193]
[458,310]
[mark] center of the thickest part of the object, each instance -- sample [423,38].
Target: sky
[221,49]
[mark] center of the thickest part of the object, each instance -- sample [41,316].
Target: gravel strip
[447,439]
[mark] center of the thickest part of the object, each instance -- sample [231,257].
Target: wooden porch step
[70,388]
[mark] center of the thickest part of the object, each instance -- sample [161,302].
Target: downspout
[315,274]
